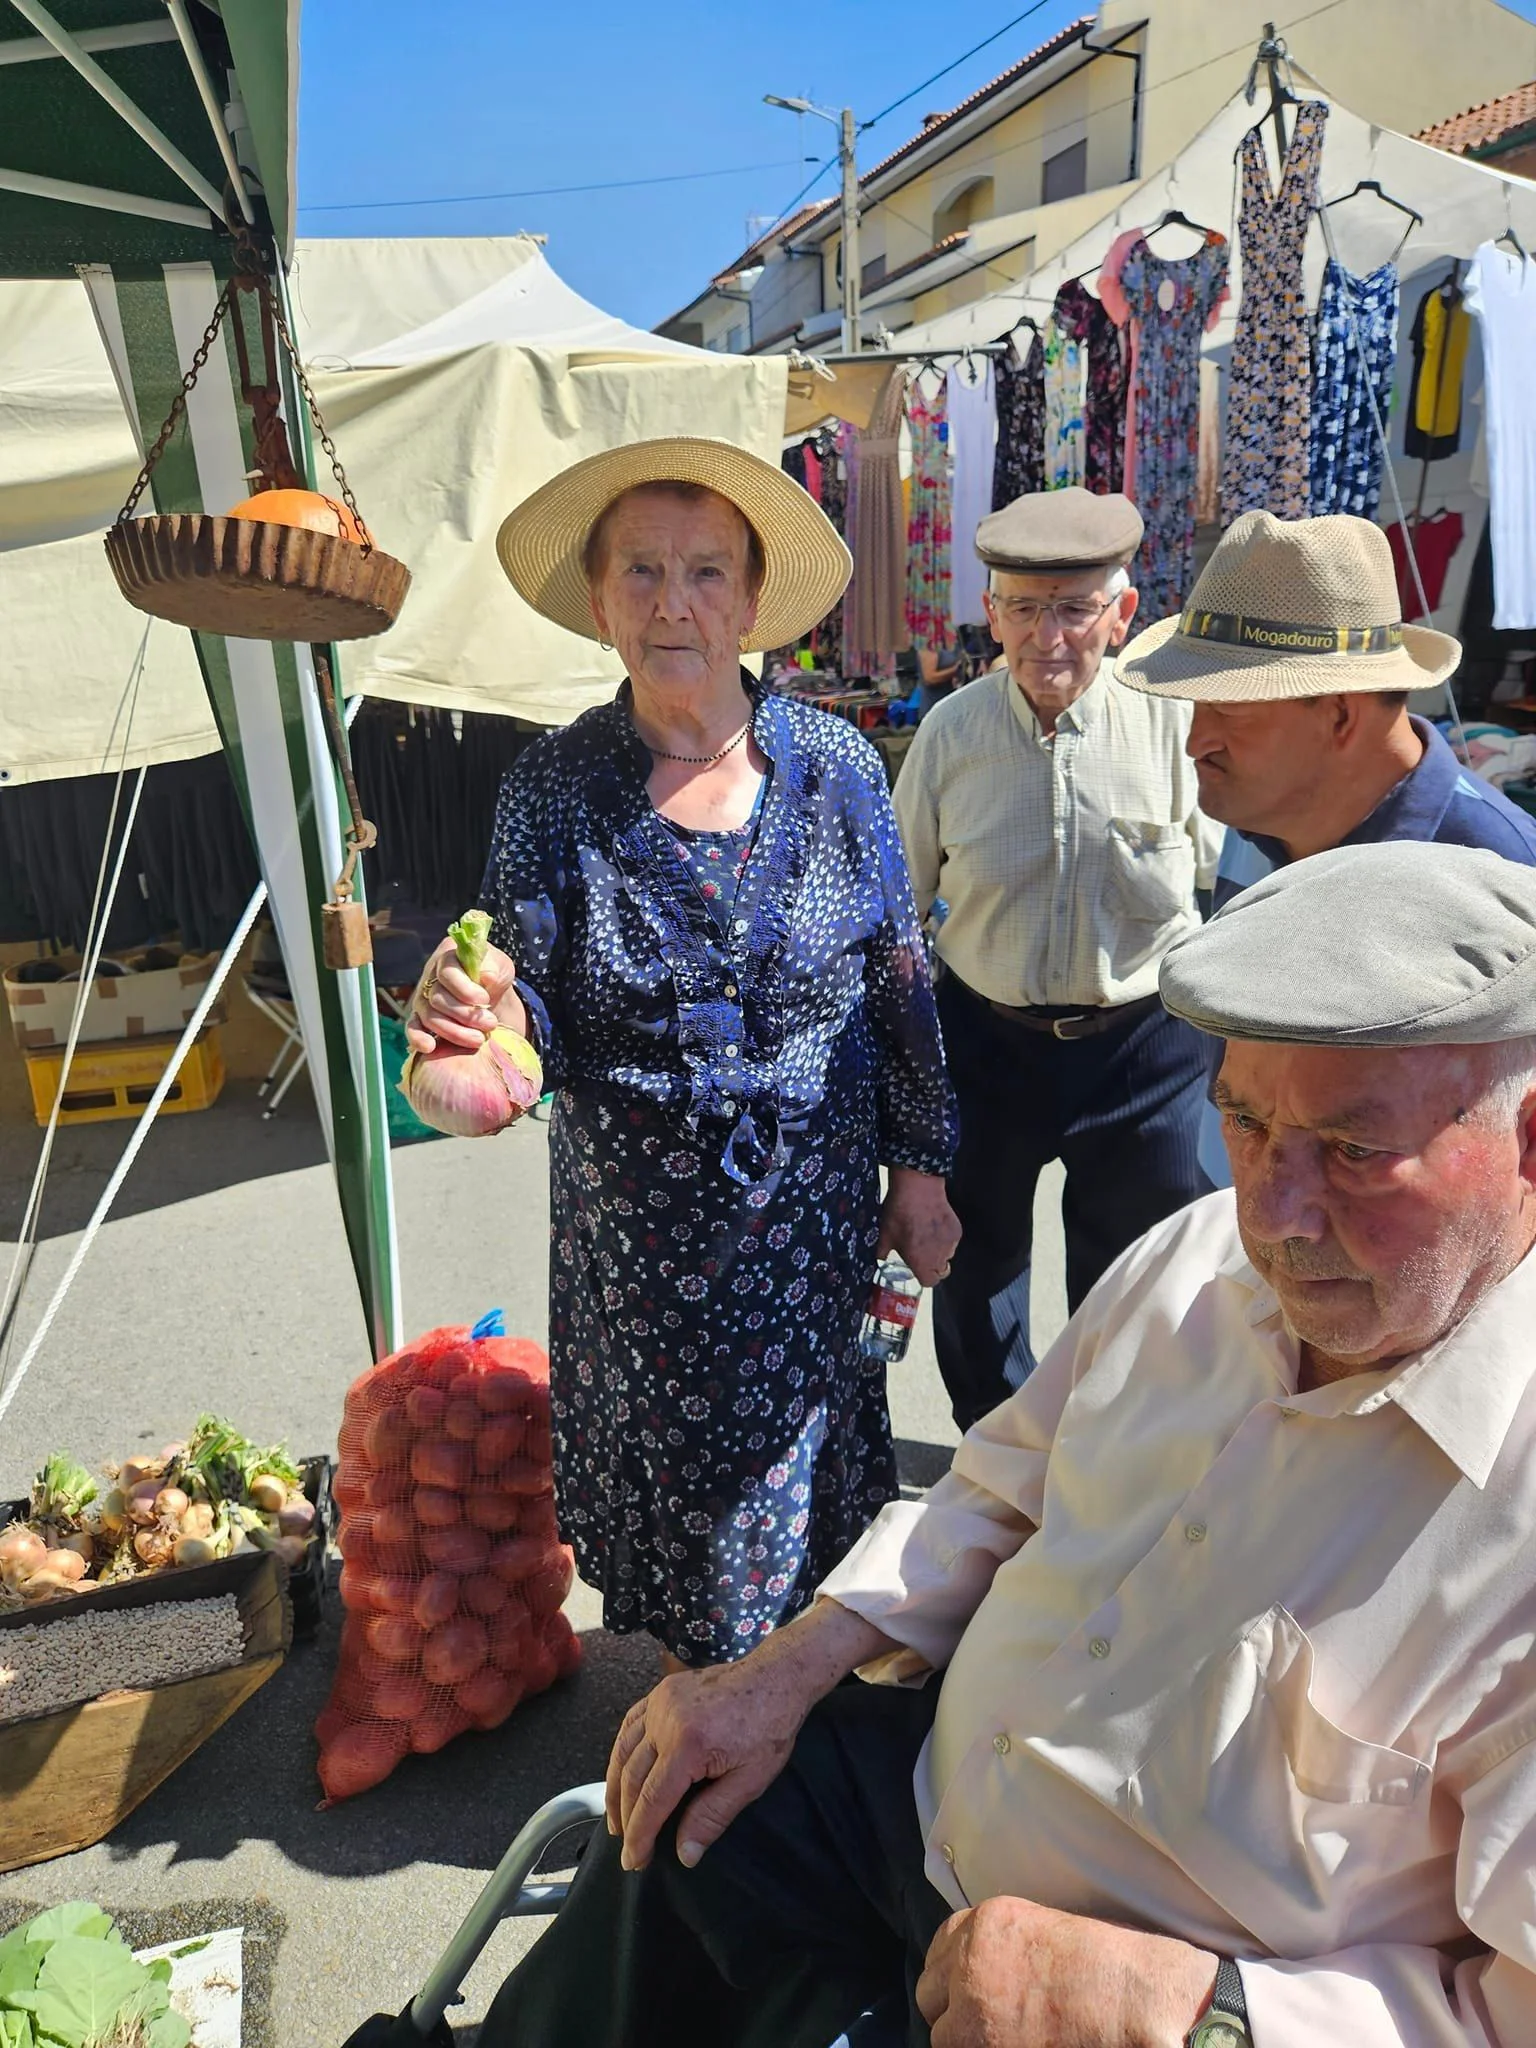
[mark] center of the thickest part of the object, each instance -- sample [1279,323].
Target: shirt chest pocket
[1152,870]
[1289,1822]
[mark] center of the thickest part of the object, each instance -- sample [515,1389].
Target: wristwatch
[1224,2023]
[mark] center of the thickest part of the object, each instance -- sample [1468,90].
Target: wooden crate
[116,1080]
[67,1779]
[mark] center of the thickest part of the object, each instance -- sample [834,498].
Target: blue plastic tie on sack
[492,1324]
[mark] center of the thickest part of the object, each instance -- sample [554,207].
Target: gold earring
[741,641]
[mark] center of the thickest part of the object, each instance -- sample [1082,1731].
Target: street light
[847,129]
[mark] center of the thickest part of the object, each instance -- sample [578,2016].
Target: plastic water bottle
[891,1314]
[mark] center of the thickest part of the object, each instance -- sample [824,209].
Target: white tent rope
[147,1115]
[95,940]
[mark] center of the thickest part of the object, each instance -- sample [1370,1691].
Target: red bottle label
[887,1305]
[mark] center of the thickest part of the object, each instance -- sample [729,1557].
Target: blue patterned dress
[726,1091]
[1354,353]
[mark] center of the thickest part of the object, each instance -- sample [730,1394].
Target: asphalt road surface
[223,1282]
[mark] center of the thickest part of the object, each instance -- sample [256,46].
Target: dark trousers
[804,1926]
[1121,1110]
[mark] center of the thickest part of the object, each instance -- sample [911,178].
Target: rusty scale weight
[286,564]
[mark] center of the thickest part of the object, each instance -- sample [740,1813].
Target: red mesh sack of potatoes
[452,1576]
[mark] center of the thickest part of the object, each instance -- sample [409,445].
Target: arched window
[972,202]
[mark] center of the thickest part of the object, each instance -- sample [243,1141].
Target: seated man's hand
[729,1728]
[1011,1974]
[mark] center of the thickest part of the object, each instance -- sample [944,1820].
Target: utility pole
[851,275]
[847,155]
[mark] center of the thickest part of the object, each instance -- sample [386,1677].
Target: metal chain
[320,427]
[179,405]
[360,834]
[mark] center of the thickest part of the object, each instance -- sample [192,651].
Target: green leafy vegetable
[62,1491]
[471,937]
[226,1462]
[69,1980]
[82,1987]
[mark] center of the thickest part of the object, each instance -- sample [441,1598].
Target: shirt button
[731,989]
[1289,1414]
[728,1106]
[1000,1744]
[1099,1647]
[948,1854]
[731,1051]
[739,924]
[1194,1532]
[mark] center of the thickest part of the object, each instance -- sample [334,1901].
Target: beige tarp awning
[438,448]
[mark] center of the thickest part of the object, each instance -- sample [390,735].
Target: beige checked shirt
[1250,1667]
[1069,865]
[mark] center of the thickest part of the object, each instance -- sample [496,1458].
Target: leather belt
[1061,1021]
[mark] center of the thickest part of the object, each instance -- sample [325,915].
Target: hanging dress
[1172,301]
[928,527]
[1354,355]
[1500,293]
[1066,439]
[1268,454]
[971,404]
[1018,465]
[1080,314]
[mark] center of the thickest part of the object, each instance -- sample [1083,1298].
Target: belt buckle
[1067,1037]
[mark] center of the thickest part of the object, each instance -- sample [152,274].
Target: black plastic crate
[306,1585]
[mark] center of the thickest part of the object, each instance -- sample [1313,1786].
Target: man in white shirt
[1234,1600]
[1056,815]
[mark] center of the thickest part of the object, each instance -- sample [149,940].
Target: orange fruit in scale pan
[301,508]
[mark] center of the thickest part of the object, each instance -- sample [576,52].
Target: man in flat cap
[1056,817]
[1297,667]
[1233,1600]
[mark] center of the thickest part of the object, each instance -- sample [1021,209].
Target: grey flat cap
[1066,530]
[1401,943]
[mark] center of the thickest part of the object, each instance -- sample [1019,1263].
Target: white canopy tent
[456,374]
[1462,204]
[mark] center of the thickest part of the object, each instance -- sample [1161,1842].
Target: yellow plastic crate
[116,1080]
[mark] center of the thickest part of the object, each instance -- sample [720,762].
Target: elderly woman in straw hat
[718,957]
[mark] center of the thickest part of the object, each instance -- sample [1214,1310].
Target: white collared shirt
[1069,864]
[1248,1667]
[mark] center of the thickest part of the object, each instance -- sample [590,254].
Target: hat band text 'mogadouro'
[1287,637]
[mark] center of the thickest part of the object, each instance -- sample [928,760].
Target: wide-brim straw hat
[807,564]
[1290,608]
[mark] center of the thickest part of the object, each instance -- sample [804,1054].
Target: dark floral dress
[1019,464]
[1080,314]
[1266,465]
[728,1084]
[1172,299]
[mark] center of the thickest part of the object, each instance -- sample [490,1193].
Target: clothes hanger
[1514,242]
[1174,218]
[1373,185]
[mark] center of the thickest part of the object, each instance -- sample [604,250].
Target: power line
[975,50]
[548,191]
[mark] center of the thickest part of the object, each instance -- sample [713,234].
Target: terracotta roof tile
[1480,126]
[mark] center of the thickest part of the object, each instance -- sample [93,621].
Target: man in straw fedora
[716,951]
[1293,653]
[1203,1707]
[1294,656]
[1057,818]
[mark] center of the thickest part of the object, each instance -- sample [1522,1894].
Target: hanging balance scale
[286,564]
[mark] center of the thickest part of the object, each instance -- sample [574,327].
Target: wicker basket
[254,580]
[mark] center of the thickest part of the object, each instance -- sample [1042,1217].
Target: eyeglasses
[1069,615]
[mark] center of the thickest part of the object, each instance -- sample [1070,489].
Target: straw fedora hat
[541,543]
[1290,608]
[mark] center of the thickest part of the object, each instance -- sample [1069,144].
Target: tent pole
[131,1150]
[108,88]
[210,99]
[71,194]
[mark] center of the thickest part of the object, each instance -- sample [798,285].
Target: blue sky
[403,100]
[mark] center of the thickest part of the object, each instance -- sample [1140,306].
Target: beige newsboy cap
[1399,943]
[1290,608]
[1065,530]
